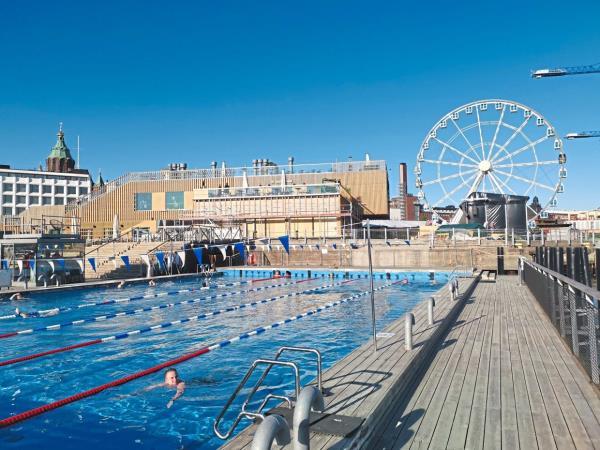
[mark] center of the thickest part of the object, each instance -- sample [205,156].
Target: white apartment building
[20,189]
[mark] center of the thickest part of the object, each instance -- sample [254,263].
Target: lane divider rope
[143,297]
[132,312]
[127,334]
[172,362]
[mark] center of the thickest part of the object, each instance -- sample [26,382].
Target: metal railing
[258,413]
[269,363]
[572,307]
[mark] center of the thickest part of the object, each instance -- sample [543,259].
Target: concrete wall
[403,257]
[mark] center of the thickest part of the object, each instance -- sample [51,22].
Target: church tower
[60,159]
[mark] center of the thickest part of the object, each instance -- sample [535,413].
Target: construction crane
[562,71]
[583,135]
[576,70]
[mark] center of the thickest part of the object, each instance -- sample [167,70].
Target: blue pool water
[131,416]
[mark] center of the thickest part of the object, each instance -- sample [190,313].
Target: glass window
[83,191]
[59,189]
[7,187]
[19,211]
[21,188]
[46,189]
[34,188]
[71,190]
[46,200]
[34,200]
[7,199]
[174,200]
[21,199]
[143,201]
[7,211]
[59,200]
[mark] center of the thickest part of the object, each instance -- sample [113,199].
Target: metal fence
[573,310]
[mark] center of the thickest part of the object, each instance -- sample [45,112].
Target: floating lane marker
[129,299]
[132,312]
[8,421]
[128,334]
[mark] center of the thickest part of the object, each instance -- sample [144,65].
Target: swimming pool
[130,416]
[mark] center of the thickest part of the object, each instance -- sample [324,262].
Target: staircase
[107,254]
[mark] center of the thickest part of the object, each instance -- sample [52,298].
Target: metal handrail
[277,355]
[249,414]
[465,268]
[591,295]
[283,398]
[572,308]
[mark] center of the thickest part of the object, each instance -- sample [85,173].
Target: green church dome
[60,149]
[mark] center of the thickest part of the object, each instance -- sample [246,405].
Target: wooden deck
[501,378]
[491,373]
[365,384]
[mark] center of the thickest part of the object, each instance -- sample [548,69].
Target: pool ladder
[268,364]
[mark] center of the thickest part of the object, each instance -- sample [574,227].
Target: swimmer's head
[171,377]
[17,312]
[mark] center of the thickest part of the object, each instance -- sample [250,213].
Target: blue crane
[583,134]
[576,70]
[562,71]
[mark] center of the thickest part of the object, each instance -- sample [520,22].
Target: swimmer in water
[404,281]
[17,296]
[121,285]
[151,283]
[172,380]
[46,313]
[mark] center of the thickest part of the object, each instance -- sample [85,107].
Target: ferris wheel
[491,146]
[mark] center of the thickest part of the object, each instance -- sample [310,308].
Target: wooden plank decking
[502,378]
[365,383]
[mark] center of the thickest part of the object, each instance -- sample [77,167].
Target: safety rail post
[430,305]
[309,399]
[593,342]
[597,269]
[409,321]
[273,428]
[586,267]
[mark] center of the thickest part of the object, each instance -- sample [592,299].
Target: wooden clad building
[314,200]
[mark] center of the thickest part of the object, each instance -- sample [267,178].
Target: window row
[22,200]
[8,211]
[46,189]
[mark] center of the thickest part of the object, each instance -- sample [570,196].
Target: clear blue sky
[148,83]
